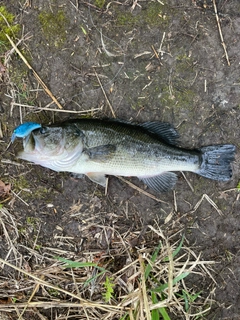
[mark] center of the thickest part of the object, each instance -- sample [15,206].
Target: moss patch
[19,76]
[180,97]
[179,92]
[153,15]
[54,27]
[20,183]
[8,27]
[99,3]
[40,192]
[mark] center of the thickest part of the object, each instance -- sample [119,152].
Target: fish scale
[137,153]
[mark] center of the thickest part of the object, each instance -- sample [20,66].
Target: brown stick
[104,93]
[35,73]
[140,190]
[220,32]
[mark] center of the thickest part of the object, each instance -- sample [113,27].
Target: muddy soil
[155,60]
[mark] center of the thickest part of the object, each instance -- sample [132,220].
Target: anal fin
[161,183]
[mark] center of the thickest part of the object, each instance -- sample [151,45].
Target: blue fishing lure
[24,130]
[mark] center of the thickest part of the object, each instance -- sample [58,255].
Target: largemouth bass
[148,151]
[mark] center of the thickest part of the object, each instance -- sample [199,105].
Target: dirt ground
[155,60]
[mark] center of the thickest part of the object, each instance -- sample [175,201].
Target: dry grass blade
[35,73]
[82,301]
[148,283]
[5,221]
[141,190]
[144,289]
[205,196]
[57,110]
[104,93]
[29,300]
[220,32]
[170,273]
[188,182]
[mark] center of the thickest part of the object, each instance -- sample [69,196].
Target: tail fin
[216,162]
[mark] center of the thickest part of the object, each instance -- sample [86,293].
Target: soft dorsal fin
[162,130]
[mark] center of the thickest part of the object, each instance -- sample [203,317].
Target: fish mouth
[50,147]
[29,142]
[36,148]
[29,146]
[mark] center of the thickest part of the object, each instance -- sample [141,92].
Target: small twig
[81,302]
[205,85]
[170,272]
[135,3]
[1,133]
[108,102]
[161,44]
[141,190]
[213,204]
[220,32]
[29,300]
[141,54]
[188,182]
[54,110]
[155,52]
[16,195]
[35,73]
[15,163]
[106,187]
[108,53]
[144,289]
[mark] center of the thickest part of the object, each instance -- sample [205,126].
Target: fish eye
[43,130]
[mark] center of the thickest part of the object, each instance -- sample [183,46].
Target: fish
[101,147]
[24,129]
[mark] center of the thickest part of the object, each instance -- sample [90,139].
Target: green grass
[9,27]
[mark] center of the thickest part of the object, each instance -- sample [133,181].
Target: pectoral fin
[101,153]
[162,183]
[99,178]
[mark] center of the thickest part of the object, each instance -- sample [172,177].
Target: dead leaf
[4,190]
